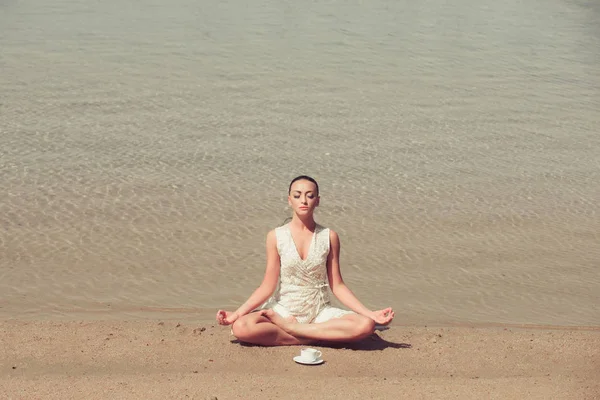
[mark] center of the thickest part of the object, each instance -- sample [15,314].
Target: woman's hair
[306,178]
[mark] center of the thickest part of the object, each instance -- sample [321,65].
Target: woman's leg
[348,328]
[255,328]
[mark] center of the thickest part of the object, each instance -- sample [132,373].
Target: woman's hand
[226,317]
[383,317]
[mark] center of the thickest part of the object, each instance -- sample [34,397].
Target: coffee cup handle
[319,354]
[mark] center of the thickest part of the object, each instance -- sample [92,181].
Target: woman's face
[303,197]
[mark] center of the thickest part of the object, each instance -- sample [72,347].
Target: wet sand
[170,359]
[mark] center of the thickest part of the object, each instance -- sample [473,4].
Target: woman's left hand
[383,317]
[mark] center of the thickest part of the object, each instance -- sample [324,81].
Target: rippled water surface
[146,149]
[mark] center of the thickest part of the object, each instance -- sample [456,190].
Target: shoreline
[164,358]
[207,316]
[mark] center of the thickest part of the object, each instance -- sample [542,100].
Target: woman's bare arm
[343,293]
[336,282]
[270,279]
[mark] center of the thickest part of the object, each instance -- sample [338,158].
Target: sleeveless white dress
[302,290]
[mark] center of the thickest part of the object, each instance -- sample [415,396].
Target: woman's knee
[243,327]
[365,326]
[240,328]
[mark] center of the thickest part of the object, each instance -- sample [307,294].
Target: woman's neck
[304,223]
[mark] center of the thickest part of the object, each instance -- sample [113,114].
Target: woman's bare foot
[278,320]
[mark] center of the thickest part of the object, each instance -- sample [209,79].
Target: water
[146,149]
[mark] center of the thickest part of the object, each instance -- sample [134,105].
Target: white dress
[302,290]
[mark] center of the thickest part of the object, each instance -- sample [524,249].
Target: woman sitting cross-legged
[302,262]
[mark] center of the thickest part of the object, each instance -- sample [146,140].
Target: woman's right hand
[226,317]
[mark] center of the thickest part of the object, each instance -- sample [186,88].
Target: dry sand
[168,359]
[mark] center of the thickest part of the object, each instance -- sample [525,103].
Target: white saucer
[300,360]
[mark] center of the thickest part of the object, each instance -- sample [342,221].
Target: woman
[302,262]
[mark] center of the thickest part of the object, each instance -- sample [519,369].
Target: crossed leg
[348,328]
[267,328]
[254,328]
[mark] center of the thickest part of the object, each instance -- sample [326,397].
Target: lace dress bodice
[302,289]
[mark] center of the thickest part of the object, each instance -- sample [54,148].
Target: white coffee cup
[310,355]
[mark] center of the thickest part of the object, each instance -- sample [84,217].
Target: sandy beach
[169,359]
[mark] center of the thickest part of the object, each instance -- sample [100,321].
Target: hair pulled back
[305,178]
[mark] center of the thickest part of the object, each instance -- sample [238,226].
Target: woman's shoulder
[281,228]
[329,232]
[321,227]
[276,232]
[333,236]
